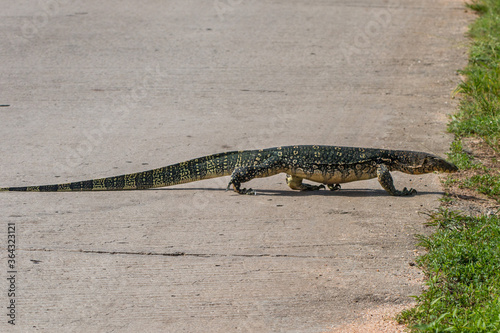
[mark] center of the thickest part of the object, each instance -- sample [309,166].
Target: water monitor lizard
[328,165]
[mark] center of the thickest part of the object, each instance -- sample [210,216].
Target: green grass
[463,270]
[479,111]
[487,184]
[462,264]
[460,158]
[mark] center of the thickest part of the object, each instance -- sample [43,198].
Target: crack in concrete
[181,254]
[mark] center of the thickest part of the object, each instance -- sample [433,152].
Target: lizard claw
[334,187]
[410,191]
[247,191]
[405,192]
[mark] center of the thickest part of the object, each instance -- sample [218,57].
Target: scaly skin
[328,165]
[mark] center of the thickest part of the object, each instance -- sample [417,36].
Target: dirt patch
[467,200]
[380,319]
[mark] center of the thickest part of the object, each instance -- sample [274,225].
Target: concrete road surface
[92,89]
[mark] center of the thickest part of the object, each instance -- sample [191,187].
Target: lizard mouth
[448,167]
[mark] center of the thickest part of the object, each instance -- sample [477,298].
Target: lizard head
[435,163]
[419,163]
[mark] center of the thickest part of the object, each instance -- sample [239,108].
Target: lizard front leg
[385,179]
[295,183]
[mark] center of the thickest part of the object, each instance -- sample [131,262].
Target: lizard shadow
[346,193]
[352,193]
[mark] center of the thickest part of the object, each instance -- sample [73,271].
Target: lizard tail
[212,166]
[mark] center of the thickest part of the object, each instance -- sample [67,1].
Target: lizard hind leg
[241,175]
[385,179]
[295,183]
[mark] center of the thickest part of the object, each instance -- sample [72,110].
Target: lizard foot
[248,191]
[239,190]
[308,187]
[295,183]
[406,191]
[334,187]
